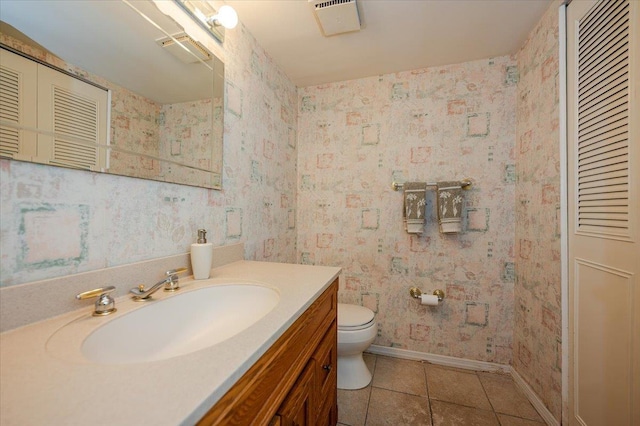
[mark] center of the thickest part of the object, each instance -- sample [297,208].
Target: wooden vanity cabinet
[295,381]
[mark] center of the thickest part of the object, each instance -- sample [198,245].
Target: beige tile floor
[405,392]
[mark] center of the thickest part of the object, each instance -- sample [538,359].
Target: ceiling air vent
[336,16]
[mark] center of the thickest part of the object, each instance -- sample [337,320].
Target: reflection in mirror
[163,103]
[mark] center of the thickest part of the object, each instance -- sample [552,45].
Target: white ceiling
[112,40]
[396,35]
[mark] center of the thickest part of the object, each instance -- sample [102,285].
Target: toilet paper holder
[415,292]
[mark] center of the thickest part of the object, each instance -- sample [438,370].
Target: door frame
[564,207]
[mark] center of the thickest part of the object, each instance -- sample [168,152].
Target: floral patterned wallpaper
[537,335]
[185,136]
[57,222]
[134,127]
[436,124]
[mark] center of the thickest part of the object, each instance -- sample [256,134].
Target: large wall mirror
[148,104]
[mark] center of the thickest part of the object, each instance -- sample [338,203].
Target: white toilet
[356,331]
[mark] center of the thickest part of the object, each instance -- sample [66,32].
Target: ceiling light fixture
[226,16]
[214,22]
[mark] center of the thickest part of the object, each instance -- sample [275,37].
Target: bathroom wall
[57,222]
[354,139]
[537,329]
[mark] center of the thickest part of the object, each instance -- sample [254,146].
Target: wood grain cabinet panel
[326,364]
[299,408]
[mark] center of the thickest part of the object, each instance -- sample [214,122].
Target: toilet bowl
[356,331]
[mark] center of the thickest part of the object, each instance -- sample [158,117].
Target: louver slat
[604,176]
[603,120]
[615,36]
[602,145]
[616,160]
[595,225]
[591,71]
[596,129]
[77,118]
[590,25]
[70,154]
[610,84]
[9,111]
[617,169]
[604,190]
[606,158]
[601,183]
[606,198]
[612,62]
[9,96]
[602,136]
[609,204]
[615,100]
[609,209]
[9,142]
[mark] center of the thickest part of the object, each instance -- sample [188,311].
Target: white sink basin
[178,325]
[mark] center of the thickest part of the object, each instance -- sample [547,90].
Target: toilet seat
[353,317]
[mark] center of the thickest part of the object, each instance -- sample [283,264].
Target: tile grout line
[486,394]
[426,381]
[517,416]
[375,367]
[425,365]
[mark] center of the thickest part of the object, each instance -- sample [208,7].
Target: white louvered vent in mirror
[76,127]
[603,120]
[9,111]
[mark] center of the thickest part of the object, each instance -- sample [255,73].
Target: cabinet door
[18,105]
[73,118]
[299,408]
[328,414]
[50,117]
[326,361]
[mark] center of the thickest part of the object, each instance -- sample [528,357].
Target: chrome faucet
[170,283]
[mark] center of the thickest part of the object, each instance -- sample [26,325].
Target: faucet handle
[171,284]
[105,304]
[174,272]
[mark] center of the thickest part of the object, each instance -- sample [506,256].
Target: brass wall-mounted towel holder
[464,184]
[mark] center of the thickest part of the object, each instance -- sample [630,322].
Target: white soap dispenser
[201,256]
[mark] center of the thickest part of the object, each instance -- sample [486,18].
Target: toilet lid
[353,317]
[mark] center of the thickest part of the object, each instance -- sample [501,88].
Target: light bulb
[227,17]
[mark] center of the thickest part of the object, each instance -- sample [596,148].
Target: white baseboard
[448,361]
[468,364]
[534,399]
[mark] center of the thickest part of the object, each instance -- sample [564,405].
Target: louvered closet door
[18,97]
[73,117]
[604,253]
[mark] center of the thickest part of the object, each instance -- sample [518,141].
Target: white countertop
[38,387]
